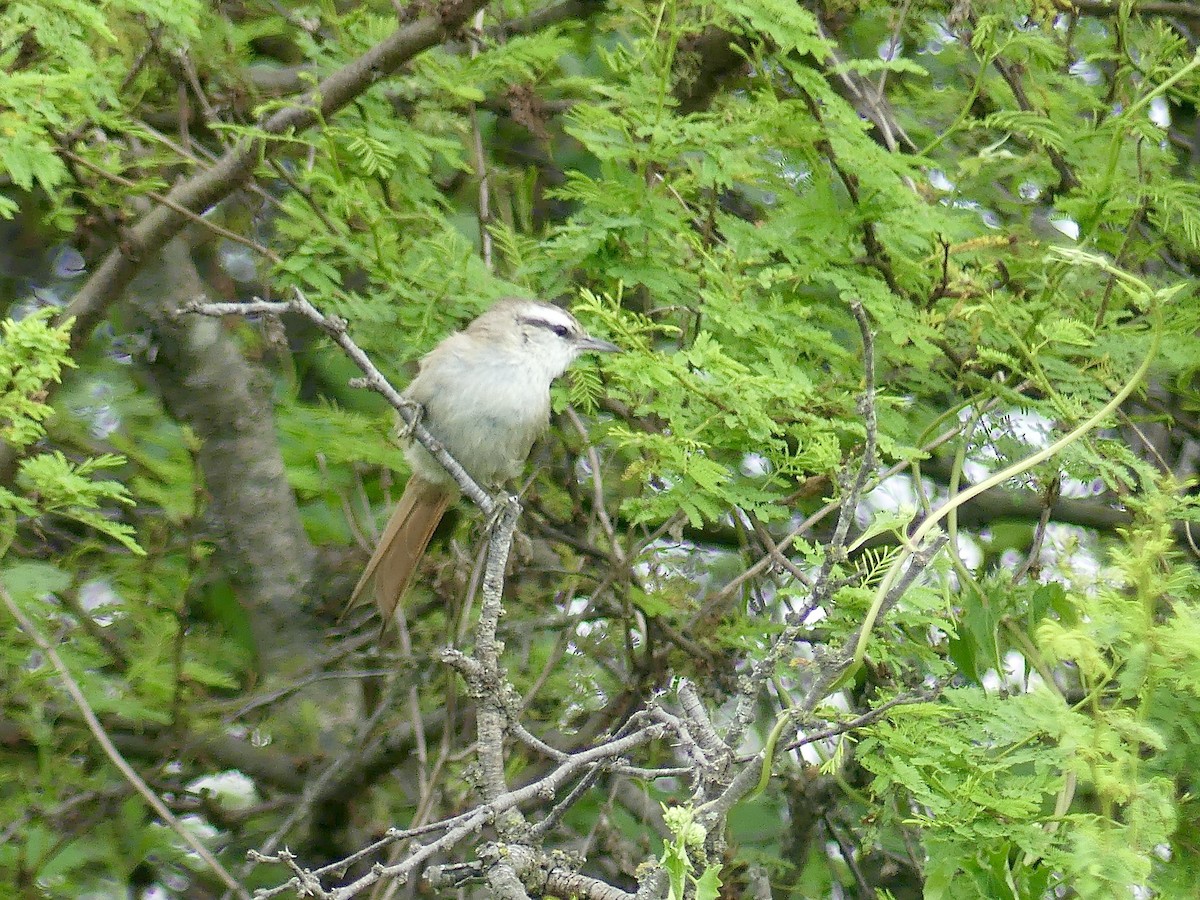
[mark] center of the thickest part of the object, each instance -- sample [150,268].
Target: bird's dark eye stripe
[558,328]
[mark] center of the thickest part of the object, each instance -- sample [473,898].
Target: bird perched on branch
[485,395]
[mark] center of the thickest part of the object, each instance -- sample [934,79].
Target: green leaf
[708,885]
[30,580]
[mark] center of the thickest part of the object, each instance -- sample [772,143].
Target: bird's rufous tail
[395,560]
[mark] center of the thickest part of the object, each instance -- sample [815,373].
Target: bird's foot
[405,429]
[505,510]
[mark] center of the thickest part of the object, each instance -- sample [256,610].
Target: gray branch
[373,378]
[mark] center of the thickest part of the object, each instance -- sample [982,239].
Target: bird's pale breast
[487,408]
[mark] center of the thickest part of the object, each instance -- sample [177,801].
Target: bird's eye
[561,330]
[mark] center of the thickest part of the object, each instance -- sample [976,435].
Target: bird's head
[548,335]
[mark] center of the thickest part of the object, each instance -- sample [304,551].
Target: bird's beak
[589,344]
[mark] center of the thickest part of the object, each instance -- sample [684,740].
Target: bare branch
[206,188]
[491,687]
[469,823]
[1107,8]
[336,329]
[114,755]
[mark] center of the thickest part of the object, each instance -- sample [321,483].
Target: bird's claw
[503,505]
[405,429]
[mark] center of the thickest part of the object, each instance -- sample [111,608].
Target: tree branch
[336,329]
[209,187]
[110,750]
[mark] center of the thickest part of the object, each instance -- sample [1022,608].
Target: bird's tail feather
[402,546]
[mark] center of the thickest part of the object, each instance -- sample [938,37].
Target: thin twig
[870,717]
[865,891]
[774,552]
[469,823]
[166,201]
[316,788]
[786,541]
[480,160]
[113,754]
[1039,533]
[598,507]
[336,329]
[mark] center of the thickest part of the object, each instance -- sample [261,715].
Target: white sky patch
[1068,556]
[1030,428]
[1011,558]
[991,681]
[838,701]
[1067,226]
[940,39]
[666,562]
[100,412]
[969,551]
[583,469]
[1087,72]
[68,262]
[583,628]
[890,495]
[833,851]
[238,262]
[975,470]
[1160,112]
[755,465]
[815,616]
[1073,487]
[939,182]
[49,296]
[811,754]
[202,830]
[104,423]
[942,33]
[98,594]
[1019,675]
[577,605]
[890,49]
[231,788]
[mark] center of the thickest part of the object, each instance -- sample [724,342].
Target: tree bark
[207,384]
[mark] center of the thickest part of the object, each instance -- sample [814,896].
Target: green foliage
[60,66]
[1000,761]
[933,171]
[67,489]
[33,355]
[679,854]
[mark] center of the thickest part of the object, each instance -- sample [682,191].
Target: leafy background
[1007,188]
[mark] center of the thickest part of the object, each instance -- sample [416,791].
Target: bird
[484,394]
